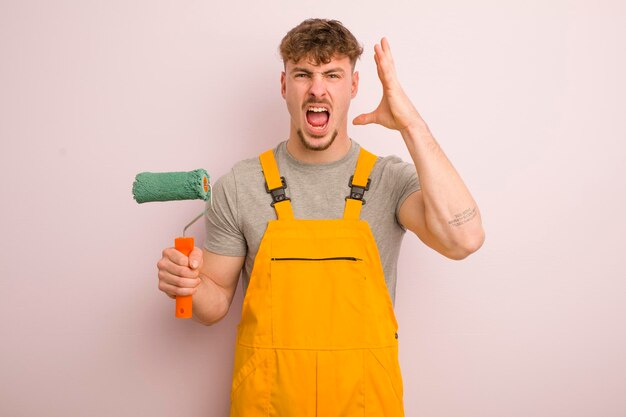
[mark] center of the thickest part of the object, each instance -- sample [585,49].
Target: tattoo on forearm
[464,217]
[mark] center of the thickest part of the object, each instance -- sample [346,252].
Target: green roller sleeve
[168,186]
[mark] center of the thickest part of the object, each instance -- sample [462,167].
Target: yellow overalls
[318,334]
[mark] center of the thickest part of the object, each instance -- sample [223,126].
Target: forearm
[210,302]
[450,212]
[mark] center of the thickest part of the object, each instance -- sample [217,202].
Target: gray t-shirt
[241,206]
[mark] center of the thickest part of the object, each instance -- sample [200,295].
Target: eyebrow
[306,71]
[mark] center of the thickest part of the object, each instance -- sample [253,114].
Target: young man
[318,336]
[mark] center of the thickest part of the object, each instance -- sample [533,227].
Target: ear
[355,83]
[283,84]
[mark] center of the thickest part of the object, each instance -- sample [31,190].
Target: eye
[301,75]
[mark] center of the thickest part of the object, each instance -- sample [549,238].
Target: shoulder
[241,172]
[390,162]
[392,168]
[246,167]
[383,162]
[252,166]
[396,178]
[244,185]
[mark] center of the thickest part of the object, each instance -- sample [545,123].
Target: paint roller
[169,186]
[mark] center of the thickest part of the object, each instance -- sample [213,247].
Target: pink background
[526,98]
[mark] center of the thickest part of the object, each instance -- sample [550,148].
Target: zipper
[338,258]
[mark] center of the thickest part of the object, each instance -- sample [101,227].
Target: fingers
[364,119]
[383,49]
[174,286]
[176,278]
[174,256]
[195,258]
[385,45]
[384,63]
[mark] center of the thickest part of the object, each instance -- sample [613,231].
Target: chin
[317,143]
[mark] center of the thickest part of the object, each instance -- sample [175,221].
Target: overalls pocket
[318,303]
[384,383]
[250,388]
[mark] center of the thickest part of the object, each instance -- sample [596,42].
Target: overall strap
[359,184]
[275,185]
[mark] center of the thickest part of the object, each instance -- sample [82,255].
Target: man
[318,335]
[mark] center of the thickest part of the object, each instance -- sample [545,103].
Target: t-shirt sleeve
[223,232]
[404,176]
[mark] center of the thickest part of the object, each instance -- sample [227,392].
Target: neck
[337,150]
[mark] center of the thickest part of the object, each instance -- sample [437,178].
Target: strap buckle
[357,192]
[278,194]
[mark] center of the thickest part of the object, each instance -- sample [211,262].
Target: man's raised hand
[395,110]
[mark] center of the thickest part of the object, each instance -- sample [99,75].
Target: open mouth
[317,118]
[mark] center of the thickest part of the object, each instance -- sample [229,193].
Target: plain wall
[525,97]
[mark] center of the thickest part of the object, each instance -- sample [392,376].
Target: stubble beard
[321,147]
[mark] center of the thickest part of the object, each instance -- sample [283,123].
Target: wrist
[415,130]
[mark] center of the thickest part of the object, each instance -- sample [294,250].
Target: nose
[318,86]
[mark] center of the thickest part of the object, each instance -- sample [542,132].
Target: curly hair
[320,40]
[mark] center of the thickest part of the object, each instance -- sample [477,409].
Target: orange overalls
[318,334]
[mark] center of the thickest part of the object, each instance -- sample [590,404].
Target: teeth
[317,109]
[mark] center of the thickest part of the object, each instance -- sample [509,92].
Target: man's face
[318,98]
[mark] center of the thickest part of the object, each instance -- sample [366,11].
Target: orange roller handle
[183,302]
